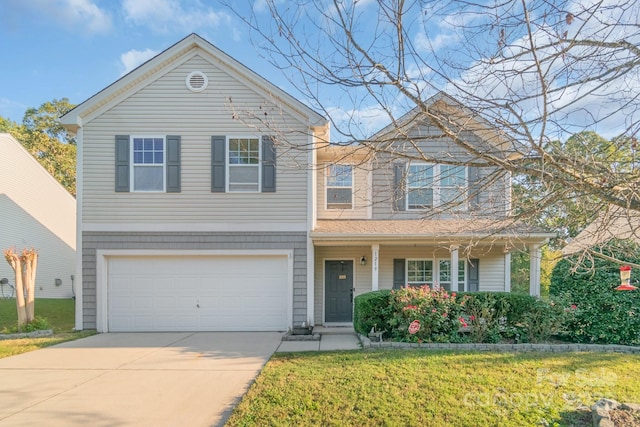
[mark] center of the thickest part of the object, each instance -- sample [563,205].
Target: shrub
[437,311]
[601,314]
[485,311]
[372,310]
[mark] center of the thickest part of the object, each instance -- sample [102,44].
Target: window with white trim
[430,185]
[244,164]
[452,184]
[420,186]
[339,186]
[444,273]
[148,163]
[419,272]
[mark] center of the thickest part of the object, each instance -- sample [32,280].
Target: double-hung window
[420,186]
[444,273]
[419,272]
[244,164]
[430,185]
[452,184]
[148,163]
[339,186]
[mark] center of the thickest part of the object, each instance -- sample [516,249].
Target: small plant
[37,324]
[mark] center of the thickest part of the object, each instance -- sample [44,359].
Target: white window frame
[436,187]
[327,175]
[414,283]
[133,165]
[228,164]
[462,265]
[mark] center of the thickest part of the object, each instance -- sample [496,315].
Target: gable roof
[613,223]
[35,191]
[457,116]
[171,57]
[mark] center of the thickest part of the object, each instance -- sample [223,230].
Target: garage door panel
[214,293]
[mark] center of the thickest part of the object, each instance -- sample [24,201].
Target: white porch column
[507,272]
[534,269]
[454,268]
[375,260]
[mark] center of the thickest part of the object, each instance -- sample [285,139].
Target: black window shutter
[474,187]
[399,172]
[398,273]
[268,165]
[122,163]
[173,164]
[218,164]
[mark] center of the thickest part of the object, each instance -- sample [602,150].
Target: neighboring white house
[36,212]
[209,200]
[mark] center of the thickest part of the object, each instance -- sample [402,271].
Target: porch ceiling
[425,231]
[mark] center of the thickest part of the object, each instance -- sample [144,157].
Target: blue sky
[74,48]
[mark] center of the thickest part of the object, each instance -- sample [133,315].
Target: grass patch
[420,387]
[60,315]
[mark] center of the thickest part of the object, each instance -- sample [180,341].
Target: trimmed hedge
[601,314]
[489,316]
[372,309]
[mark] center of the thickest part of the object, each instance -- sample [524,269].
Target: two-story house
[210,200]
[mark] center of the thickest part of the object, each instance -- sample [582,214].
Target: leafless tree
[522,75]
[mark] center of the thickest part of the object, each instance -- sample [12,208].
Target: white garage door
[197,293]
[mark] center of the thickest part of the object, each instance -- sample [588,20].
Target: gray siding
[93,241]
[493,199]
[166,107]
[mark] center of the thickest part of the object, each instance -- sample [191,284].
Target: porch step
[334,330]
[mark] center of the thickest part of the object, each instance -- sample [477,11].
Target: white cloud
[76,15]
[85,12]
[164,15]
[131,59]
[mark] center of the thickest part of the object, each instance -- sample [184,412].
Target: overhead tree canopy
[532,73]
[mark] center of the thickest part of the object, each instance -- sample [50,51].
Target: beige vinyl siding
[167,107]
[493,198]
[491,267]
[361,195]
[37,212]
[492,273]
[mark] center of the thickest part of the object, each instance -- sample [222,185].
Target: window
[244,164]
[435,185]
[339,187]
[420,186]
[419,272]
[444,273]
[148,165]
[453,184]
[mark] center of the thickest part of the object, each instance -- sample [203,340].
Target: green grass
[59,313]
[436,388]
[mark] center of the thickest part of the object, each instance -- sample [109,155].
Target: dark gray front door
[338,291]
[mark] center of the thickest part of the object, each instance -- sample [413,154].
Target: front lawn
[436,388]
[60,314]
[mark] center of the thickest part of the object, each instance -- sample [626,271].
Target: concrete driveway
[141,379]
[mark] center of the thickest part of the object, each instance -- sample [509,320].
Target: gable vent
[197,81]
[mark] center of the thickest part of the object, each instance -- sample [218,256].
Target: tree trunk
[15,262]
[30,260]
